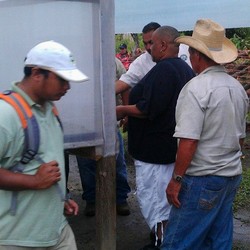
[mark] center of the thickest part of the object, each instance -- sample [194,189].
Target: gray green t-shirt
[39,217]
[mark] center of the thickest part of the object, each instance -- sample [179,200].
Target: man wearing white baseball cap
[56,58]
[39,220]
[210,124]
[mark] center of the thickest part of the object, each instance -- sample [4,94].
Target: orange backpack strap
[18,109]
[31,135]
[29,124]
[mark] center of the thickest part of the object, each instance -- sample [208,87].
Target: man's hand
[185,153]
[172,192]
[70,207]
[120,114]
[124,124]
[47,175]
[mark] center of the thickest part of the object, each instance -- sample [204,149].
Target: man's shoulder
[143,60]
[7,109]
[9,120]
[144,56]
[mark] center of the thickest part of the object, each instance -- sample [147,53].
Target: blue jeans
[87,169]
[205,219]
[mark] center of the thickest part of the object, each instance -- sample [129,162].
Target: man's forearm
[125,97]
[121,86]
[128,110]
[185,153]
[15,181]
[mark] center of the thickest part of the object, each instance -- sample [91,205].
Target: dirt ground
[132,231]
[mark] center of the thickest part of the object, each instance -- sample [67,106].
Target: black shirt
[151,139]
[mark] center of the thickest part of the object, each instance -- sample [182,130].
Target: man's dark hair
[150,26]
[168,33]
[27,71]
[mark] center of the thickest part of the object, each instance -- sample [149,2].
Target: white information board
[77,25]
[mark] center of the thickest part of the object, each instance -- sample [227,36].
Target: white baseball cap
[55,57]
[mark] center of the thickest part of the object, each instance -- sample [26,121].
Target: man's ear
[36,74]
[164,45]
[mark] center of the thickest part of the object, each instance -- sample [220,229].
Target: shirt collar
[216,68]
[26,97]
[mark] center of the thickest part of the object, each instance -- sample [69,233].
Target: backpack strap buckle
[28,156]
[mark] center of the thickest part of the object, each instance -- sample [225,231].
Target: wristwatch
[177,178]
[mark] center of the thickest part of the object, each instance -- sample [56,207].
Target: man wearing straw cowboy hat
[210,125]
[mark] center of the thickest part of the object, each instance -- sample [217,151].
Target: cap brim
[73,75]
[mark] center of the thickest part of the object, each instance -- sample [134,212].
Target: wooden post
[106,203]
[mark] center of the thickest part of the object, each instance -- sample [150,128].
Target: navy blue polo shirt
[151,139]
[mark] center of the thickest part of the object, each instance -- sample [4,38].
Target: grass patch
[127,156]
[242,199]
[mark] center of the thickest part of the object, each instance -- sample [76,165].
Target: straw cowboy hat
[209,38]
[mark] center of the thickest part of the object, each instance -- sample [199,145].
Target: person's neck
[206,64]
[26,87]
[169,55]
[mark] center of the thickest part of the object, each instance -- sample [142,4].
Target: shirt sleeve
[189,115]
[138,69]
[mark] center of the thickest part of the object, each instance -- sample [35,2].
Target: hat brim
[227,54]
[73,75]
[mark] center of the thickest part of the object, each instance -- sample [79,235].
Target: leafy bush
[128,39]
[241,43]
[242,199]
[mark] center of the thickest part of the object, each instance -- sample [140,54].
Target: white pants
[151,183]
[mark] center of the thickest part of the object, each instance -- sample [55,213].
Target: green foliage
[241,32]
[186,33]
[128,158]
[242,199]
[127,38]
[240,37]
[241,43]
